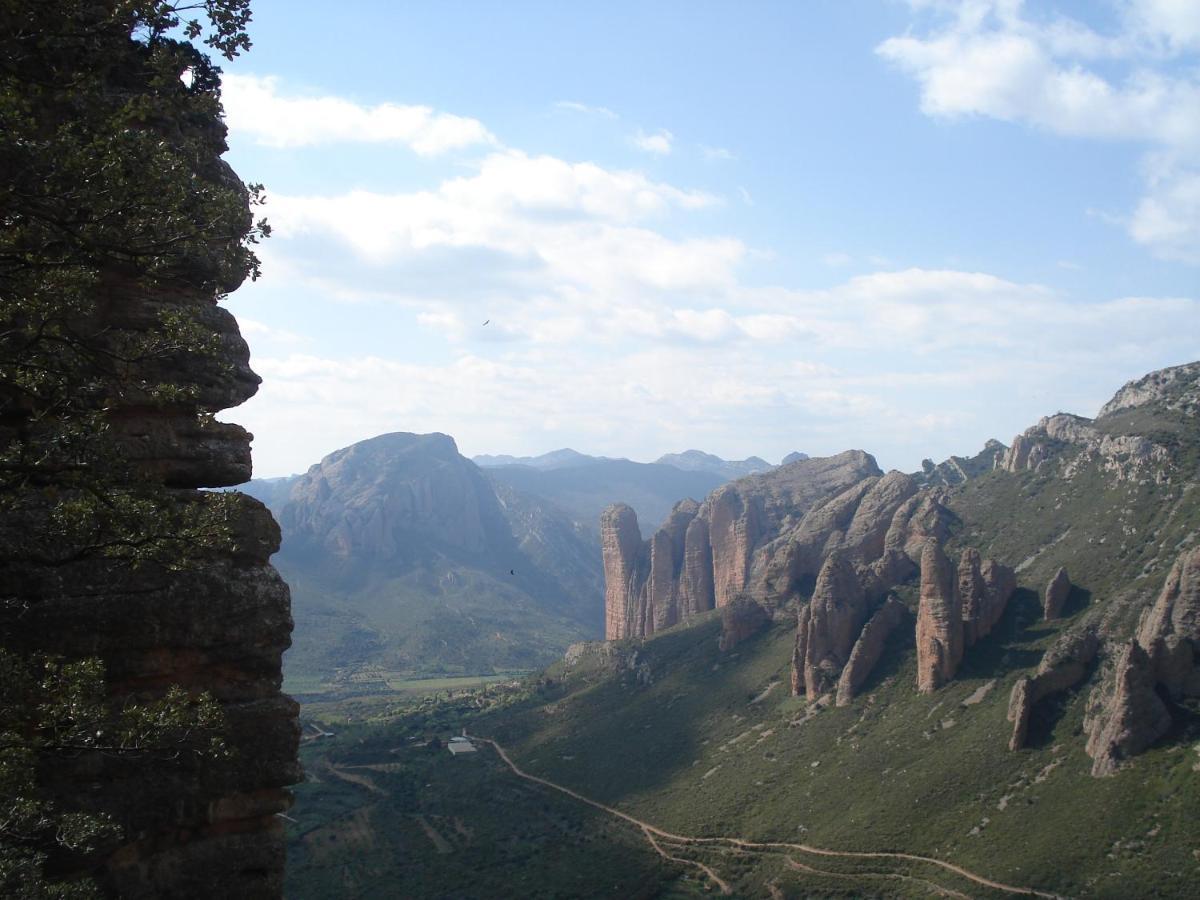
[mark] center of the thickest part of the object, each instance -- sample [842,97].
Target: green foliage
[109,147]
[54,711]
[111,189]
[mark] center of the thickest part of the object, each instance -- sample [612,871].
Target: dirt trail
[361,780]
[650,830]
[936,888]
[725,888]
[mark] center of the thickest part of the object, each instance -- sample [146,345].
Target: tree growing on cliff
[110,139]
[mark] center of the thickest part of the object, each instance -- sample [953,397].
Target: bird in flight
[485,321]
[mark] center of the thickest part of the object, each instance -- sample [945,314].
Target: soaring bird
[485,321]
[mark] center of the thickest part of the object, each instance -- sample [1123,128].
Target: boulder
[1055,597]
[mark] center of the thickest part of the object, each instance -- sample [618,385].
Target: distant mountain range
[406,557]
[555,459]
[699,461]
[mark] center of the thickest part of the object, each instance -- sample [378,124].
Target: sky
[749,228]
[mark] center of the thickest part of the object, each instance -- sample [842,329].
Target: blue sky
[748,228]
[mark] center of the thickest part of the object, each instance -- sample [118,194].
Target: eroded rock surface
[1170,629]
[1126,716]
[1063,666]
[834,619]
[939,621]
[1055,596]
[708,553]
[868,648]
[217,622]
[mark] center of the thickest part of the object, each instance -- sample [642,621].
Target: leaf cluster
[53,711]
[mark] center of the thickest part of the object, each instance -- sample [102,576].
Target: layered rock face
[939,621]
[1125,456]
[217,623]
[706,554]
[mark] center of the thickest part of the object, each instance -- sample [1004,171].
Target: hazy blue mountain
[555,459]
[699,461]
[583,491]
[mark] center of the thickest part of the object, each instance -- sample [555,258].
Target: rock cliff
[868,648]
[215,620]
[1170,629]
[710,552]
[831,624]
[1127,716]
[939,621]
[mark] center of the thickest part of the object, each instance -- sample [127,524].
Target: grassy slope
[894,771]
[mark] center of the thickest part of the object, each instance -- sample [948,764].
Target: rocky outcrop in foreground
[216,619]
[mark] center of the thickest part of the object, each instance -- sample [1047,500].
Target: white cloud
[990,59]
[576,223]
[255,107]
[658,143]
[716,153]
[608,326]
[837,259]
[252,329]
[586,109]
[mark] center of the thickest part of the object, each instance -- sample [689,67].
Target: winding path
[652,832]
